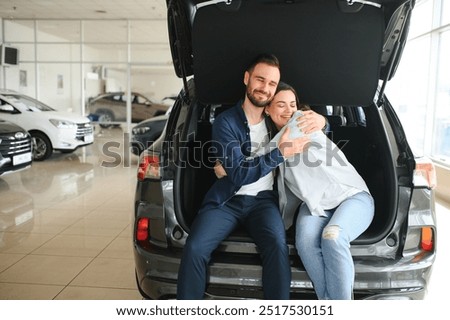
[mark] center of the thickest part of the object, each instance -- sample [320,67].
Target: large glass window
[441,137]
[58,52]
[27,79]
[445,13]
[60,86]
[26,51]
[420,90]
[148,31]
[102,52]
[410,97]
[149,53]
[422,18]
[68,63]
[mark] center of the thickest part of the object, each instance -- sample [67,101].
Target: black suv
[15,147]
[339,55]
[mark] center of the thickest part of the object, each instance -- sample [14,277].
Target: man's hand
[219,170]
[311,121]
[290,147]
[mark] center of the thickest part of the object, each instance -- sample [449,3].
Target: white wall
[57,70]
[443,183]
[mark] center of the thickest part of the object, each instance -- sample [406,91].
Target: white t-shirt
[259,138]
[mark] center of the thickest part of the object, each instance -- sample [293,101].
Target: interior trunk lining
[338,63]
[361,150]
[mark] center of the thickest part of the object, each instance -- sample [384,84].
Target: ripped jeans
[323,244]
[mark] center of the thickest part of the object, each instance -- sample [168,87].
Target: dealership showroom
[66,221]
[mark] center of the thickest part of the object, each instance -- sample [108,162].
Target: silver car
[340,55]
[110,107]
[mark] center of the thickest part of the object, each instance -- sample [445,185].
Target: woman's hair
[282,86]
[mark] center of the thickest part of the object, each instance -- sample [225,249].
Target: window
[441,137]
[66,63]
[420,90]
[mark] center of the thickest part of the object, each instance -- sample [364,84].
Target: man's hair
[266,58]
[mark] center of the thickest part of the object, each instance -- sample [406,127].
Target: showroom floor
[65,228]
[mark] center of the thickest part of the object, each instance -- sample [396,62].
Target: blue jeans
[261,217]
[323,244]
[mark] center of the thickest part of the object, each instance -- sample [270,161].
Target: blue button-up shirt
[231,140]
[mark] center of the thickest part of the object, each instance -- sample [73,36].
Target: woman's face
[282,107]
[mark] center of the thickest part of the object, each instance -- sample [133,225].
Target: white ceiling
[83,9]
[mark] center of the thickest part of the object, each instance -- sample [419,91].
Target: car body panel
[382,275]
[26,112]
[341,73]
[142,108]
[146,132]
[15,148]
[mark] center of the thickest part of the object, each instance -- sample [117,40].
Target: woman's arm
[312,121]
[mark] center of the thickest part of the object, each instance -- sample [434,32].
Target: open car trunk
[359,133]
[333,52]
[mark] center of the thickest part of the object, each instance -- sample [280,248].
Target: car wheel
[42,147]
[104,117]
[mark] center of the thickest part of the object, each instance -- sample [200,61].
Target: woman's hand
[311,121]
[290,147]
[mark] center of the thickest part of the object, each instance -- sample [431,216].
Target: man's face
[261,84]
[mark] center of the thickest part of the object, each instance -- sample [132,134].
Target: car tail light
[427,242]
[148,166]
[142,229]
[424,174]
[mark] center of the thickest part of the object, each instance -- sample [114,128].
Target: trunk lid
[333,51]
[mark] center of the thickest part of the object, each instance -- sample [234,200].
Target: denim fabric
[261,217]
[232,145]
[323,244]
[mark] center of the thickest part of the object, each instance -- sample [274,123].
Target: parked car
[50,129]
[147,131]
[15,147]
[336,53]
[110,108]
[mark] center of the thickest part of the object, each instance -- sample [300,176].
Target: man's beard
[256,102]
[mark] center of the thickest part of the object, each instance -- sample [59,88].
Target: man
[245,196]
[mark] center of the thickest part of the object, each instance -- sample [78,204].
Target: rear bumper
[377,278]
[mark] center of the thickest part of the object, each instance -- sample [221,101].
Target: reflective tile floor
[65,227]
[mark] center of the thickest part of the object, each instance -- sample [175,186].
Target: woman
[336,204]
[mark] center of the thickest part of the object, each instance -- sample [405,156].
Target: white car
[50,129]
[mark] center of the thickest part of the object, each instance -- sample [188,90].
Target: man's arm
[241,169]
